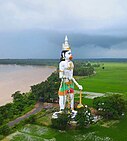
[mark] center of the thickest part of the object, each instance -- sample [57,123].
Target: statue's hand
[80,87]
[63,77]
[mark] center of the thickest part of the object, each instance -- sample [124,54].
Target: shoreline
[19,78]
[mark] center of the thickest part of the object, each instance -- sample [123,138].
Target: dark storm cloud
[36,29]
[48,44]
[79,40]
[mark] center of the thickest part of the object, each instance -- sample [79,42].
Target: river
[19,78]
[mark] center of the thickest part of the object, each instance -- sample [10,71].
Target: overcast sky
[36,28]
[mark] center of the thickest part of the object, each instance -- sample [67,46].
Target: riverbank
[19,78]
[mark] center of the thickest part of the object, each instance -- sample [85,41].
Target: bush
[4,130]
[62,121]
[84,117]
[31,119]
[110,107]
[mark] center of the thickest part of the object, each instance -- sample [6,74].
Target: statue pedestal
[73,114]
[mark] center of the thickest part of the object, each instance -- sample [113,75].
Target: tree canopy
[111,107]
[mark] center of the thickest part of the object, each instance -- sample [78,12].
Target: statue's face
[68,55]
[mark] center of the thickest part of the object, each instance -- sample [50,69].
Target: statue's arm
[73,79]
[76,83]
[61,70]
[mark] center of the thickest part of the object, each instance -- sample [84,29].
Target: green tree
[84,117]
[111,107]
[4,130]
[83,69]
[1,119]
[47,89]
[17,96]
[62,121]
[31,119]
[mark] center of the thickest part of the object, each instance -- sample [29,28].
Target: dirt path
[38,108]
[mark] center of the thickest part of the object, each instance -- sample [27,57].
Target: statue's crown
[66,45]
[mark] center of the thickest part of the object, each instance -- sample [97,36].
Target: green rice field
[106,131]
[111,79]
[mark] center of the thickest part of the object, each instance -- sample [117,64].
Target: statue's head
[66,55]
[66,51]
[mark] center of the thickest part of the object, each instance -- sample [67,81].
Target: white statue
[66,89]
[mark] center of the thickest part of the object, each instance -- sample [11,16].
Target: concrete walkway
[90,95]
